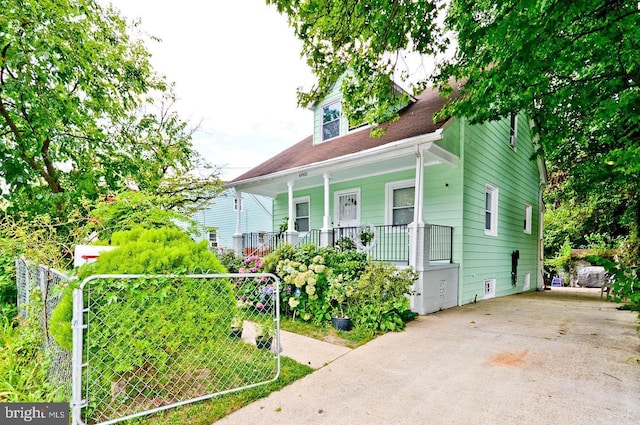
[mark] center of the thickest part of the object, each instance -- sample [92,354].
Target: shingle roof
[415,120]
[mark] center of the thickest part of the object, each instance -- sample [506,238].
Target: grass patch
[208,411]
[327,333]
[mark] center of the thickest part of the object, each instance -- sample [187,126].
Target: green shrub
[141,251]
[271,260]
[625,286]
[60,322]
[23,362]
[351,264]
[230,260]
[379,299]
[145,251]
[8,287]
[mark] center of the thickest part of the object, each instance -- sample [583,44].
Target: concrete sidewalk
[305,350]
[554,357]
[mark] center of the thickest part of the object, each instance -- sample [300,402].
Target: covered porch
[356,182]
[389,243]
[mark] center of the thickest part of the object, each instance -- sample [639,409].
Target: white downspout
[326,219]
[418,219]
[239,213]
[291,223]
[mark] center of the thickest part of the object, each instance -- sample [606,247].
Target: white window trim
[301,200]
[491,293]
[513,131]
[528,214]
[214,243]
[493,231]
[322,123]
[235,204]
[389,188]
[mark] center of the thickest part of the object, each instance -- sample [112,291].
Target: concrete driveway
[555,357]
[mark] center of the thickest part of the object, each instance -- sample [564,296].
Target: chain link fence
[142,344]
[26,278]
[44,284]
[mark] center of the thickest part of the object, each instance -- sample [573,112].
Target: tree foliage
[76,118]
[572,67]
[367,39]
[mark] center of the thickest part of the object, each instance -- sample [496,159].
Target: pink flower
[259,306]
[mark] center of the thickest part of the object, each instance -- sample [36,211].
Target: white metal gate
[142,344]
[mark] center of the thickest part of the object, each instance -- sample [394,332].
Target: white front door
[347,208]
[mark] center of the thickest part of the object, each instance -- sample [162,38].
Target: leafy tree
[73,120]
[572,67]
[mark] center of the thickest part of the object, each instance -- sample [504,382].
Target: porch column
[325,232]
[237,236]
[419,237]
[418,257]
[291,235]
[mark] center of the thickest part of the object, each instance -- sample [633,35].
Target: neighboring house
[459,203]
[218,222]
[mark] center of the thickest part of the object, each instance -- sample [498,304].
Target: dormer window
[331,120]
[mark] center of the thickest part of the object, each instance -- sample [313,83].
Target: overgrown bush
[380,297]
[146,327]
[271,260]
[141,251]
[320,283]
[230,260]
[8,288]
[625,283]
[351,264]
[23,362]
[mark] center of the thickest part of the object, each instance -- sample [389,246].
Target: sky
[236,66]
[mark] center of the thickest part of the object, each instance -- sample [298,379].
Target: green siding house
[459,203]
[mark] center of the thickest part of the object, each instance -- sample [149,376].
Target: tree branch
[12,125]
[53,181]
[576,37]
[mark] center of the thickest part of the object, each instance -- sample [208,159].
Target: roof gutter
[352,159]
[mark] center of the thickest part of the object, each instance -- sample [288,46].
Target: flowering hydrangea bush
[258,292]
[305,287]
[252,264]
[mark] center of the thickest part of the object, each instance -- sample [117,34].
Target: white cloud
[236,66]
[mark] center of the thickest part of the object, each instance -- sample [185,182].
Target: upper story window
[491,210]
[400,202]
[331,120]
[513,131]
[527,218]
[235,204]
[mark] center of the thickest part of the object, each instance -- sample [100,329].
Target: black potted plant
[338,294]
[236,327]
[264,335]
